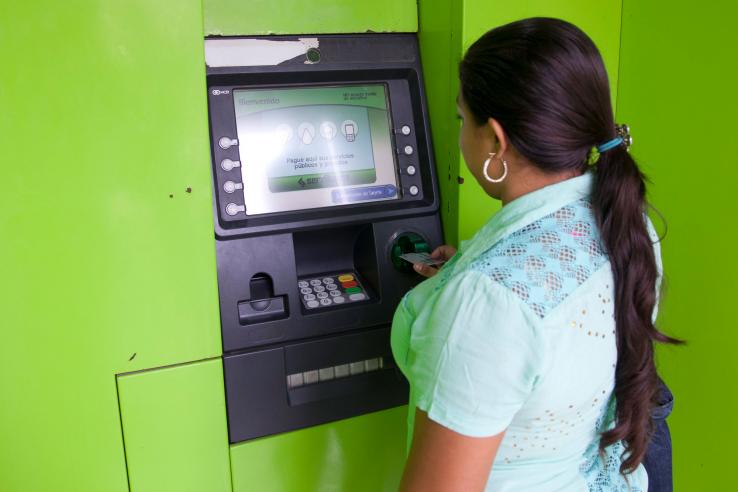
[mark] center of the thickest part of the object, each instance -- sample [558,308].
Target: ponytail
[619,204]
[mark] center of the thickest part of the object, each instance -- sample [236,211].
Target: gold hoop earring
[486,168]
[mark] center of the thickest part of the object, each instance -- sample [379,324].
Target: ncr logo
[218,92]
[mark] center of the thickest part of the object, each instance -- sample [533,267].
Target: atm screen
[313,147]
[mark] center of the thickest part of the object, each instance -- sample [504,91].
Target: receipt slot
[315,191]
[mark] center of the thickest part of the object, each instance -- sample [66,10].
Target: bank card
[423,258]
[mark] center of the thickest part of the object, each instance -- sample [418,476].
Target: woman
[530,353]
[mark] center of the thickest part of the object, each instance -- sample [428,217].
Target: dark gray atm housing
[287,367]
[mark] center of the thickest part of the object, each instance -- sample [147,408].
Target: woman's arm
[443,460]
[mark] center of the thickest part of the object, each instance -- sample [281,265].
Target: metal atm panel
[307,293]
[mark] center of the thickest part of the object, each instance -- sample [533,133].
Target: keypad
[325,291]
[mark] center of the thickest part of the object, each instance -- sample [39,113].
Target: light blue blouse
[517,332]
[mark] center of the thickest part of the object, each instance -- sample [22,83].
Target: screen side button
[233,208]
[227,142]
[229,165]
[231,186]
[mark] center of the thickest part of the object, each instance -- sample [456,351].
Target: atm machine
[323,174]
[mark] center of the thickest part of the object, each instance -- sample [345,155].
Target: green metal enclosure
[110,359]
[107,254]
[678,92]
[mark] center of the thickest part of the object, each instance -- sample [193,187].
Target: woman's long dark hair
[544,81]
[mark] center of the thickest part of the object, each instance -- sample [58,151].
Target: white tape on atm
[254,52]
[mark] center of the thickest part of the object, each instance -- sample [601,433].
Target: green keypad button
[353,290]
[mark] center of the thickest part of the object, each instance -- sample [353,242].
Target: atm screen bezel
[407,105]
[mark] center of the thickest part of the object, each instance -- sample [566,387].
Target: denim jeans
[658,455]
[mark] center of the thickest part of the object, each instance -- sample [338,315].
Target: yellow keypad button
[345,278]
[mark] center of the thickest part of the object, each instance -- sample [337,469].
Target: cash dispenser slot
[336,381]
[262,398]
[338,368]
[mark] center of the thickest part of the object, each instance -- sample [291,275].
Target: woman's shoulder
[545,261]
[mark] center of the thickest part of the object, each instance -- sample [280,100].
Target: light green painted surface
[440,50]
[103,117]
[175,430]
[362,454]
[259,17]
[600,20]
[678,94]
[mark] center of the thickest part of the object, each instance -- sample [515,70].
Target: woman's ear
[498,134]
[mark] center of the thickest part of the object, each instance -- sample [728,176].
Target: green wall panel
[678,94]
[175,430]
[362,454]
[239,17]
[600,20]
[439,36]
[103,118]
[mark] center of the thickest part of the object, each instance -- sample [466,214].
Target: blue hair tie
[609,145]
[623,138]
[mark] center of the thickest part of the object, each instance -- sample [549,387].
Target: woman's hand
[443,253]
